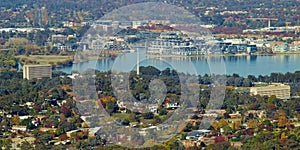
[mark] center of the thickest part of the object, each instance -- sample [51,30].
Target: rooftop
[38,65]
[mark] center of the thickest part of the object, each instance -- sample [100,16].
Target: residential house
[93,131]
[195,136]
[259,113]
[216,111]
[235,115]
[69,133]
[44,129]
[122,106]
[208,140]
[153,109]
[295,46]
[59,38]
[16,128]
[172,105]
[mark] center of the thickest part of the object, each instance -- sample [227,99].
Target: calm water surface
[242,65]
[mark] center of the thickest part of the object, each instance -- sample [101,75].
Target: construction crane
[268,19]
[287,26]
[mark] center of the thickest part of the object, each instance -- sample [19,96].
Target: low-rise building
[195,136]
[37,71]
[69,133]
[172,105]
[93,131]
[16,128]
[58,38]
[279,47]
[281,91]
[44,129]
[153,108]
[295,46]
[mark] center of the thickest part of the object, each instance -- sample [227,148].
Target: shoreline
[223,55]
[69,60]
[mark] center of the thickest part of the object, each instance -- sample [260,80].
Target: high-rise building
[37,71]
[281,91]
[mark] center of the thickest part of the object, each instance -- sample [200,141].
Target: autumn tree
[282,120]
[236,125]
[15,120]
[252,124]
[62,118]
[66,111]
[109,103]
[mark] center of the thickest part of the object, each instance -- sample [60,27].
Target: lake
[242,65]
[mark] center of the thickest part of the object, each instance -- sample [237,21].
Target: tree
[252,124]
[62,118]
[15,120]
[125,122]
[43,138]
[282,120]
[215,125]
[60,130]
[166,72]
[247,83]
[162,111]
[148,115]
[111,107]
[68,126]
[32,49]
[173,143]
[82,145]
[66,111]
[222,123]
[63,137]
[5,143]
[16,43]
[271,99]
[106,99]
[220,144]
[188,127]
[26,145]
[96,141]
[27,123]
[236,125]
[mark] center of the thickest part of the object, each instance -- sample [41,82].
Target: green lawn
[121,115]
[43,59]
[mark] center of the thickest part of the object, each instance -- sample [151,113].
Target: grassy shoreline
[44,59]
[60,61]
[54,60]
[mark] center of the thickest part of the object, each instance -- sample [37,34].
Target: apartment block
[37,71]
[281,91]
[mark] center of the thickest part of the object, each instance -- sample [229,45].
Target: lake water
[242,65]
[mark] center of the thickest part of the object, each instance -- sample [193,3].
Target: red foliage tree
[63,137]
[66,111]
[219,139]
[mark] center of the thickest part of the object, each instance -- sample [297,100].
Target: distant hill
[211,11]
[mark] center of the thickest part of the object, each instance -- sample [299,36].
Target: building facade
[37,71]
[170,43]
[279,47]
[281,91]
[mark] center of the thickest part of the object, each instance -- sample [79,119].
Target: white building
[37,71]
[279,47]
